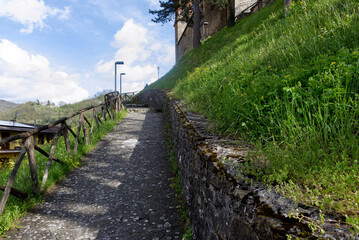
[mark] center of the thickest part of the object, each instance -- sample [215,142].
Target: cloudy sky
[65,50]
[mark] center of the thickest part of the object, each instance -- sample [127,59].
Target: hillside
[289,86]
[43,114]
[6,105]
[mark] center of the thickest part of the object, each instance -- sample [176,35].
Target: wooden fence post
[77,135]
[91,127]
[116,106]
[103,113]
[95,115]
[52,151]
[11,180]
[112,110]
[108,111]
[85,129]
[30,148]
[66,137]
[87,121]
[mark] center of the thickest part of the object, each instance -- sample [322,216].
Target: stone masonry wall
[221,203]
[185,43]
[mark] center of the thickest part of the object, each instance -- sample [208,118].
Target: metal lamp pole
[121,74]
[204,30]
[117,63]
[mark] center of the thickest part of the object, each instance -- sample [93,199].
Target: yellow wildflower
[333,63]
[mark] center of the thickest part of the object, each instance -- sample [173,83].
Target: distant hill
[43,114]
[6,105]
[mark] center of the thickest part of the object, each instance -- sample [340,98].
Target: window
[6,146]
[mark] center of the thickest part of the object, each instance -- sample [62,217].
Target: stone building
[212,20]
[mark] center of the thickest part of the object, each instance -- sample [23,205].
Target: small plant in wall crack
[176,185]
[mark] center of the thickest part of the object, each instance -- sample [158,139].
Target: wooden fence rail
[128,97]
[109,109]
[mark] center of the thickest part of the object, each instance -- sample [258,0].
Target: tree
[196,24]
[168,10]
[231,9]
[232,13]
[189,8]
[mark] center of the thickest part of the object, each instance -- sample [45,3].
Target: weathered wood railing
[128,97]
[109,109]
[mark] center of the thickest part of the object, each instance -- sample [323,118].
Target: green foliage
[44,114]
[290,86]
[15,208]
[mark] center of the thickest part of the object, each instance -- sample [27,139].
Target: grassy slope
[290,86]
[6,105]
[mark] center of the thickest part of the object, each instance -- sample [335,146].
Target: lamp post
[158,72]
[204,30]
[117,63]
[121,74]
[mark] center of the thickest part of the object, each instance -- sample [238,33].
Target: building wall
[13,144]
[242,5]
[185,43]
[212,15]
[216,20]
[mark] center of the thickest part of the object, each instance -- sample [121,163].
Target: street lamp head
[121,74]
[119,62]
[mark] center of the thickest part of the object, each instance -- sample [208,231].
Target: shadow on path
[122,192]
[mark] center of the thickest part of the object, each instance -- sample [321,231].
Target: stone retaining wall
[221,203]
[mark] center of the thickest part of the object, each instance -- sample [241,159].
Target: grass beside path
[290,86]
[16,208]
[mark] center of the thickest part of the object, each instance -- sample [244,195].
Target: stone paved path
[122,192]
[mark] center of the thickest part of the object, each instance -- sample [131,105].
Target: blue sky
[65,50]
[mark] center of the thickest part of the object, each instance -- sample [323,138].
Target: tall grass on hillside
[290,85]
[16,207]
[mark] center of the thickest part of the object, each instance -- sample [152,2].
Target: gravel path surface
[122,192]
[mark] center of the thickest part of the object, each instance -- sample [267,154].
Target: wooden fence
[128,97]
[107,110]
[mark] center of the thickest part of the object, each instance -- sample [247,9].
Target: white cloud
[30,13]
[30,77]
[141,50]
[130,35]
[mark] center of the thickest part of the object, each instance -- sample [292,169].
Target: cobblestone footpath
[122,191]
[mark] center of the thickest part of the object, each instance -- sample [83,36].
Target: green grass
[15,208]
[290,86]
